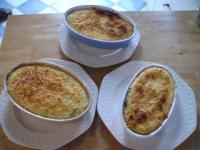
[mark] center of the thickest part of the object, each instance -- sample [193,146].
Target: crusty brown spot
[136,111]
[105,12]
[163,99]
[160,106]
[139,88]
[142,117]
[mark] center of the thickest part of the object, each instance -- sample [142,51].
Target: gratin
[149,99]
[47,91]
[100,24]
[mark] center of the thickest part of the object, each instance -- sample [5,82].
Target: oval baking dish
[47,91]
[109,24]
[149,101]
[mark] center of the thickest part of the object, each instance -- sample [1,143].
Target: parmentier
[100,24]
[48,91]
[149,99]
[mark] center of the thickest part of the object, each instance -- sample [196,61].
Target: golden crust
[47,91]
[100,24]
[149,100]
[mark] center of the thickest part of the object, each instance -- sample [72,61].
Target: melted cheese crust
[149,100]
[48,91]
[100,24]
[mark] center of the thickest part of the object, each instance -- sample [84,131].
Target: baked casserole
[100,24]
[47,91]
[149,100]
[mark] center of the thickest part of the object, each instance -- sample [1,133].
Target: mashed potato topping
[47,91]
[100,24]
[149,100]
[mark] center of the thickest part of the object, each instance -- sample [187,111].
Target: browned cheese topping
[149,100]
[48,91]
[100,24]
